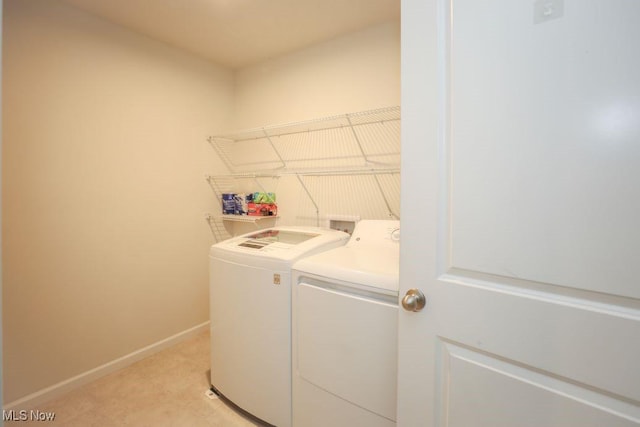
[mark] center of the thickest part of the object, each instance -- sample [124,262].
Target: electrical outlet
[546,10]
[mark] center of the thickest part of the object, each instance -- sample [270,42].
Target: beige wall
[104,241]
[360,71]
[356,72]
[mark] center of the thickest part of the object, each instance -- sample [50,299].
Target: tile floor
[166,389]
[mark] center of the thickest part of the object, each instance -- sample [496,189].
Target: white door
[520,213]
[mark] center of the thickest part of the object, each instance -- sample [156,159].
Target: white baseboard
[32,400]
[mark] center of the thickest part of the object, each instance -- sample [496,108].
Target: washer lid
[372,267]
[273,235]
[278,243]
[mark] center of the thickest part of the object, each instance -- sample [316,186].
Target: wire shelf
[351,141]
[341,153]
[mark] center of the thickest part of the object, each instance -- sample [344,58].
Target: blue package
[228,203]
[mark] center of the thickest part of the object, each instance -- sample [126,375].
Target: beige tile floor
[166,389]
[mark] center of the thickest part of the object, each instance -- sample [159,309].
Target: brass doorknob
[414,300]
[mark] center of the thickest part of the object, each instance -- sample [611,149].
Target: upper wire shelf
[366,141]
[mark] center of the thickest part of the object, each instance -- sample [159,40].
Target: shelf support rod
[266,135]
[355,136]
[384,197]
[306,190]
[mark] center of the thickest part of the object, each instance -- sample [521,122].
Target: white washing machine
[344,342]
[250,303]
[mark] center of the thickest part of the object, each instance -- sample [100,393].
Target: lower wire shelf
[246,218]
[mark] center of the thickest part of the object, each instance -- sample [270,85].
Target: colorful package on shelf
[262,209]
[261,197]
[228,203]
[241,204]
[236,204]
[272,209]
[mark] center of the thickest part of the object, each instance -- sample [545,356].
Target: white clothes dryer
[250,305]
[344,342]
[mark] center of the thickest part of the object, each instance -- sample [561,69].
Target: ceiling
[237,33]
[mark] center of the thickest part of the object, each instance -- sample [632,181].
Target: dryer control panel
[376,233]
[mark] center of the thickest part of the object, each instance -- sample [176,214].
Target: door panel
[520,133]
[543,139]
[559,336]
[527,398]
